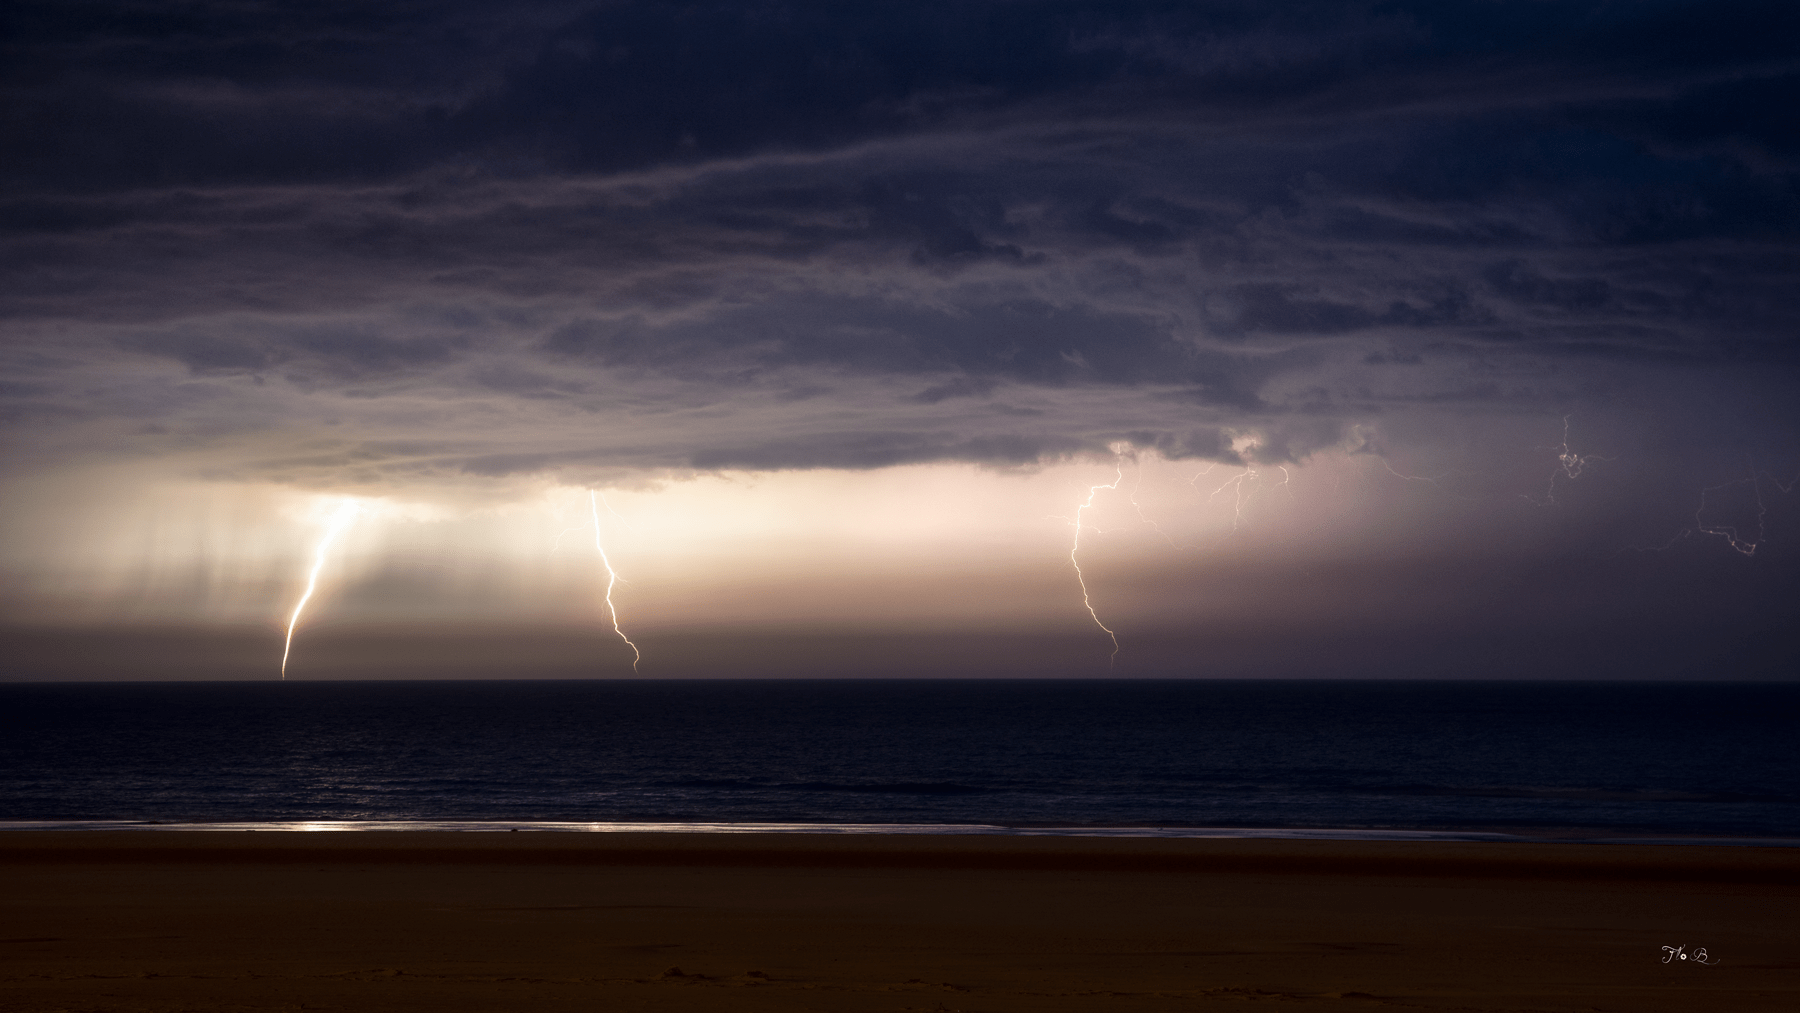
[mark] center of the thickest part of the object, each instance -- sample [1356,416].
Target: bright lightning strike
[612,578]
[340,519]
[1075,549]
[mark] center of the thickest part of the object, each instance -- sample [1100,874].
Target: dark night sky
[1422,339]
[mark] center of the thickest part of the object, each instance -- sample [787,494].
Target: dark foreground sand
[547,921]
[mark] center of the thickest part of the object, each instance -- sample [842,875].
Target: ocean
[1483,760]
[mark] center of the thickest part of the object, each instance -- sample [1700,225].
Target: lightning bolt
[1145,520]
[1372,446]
[1075,549]
[612,578]
[1739,542]
[1428,480]
[1569,464]
[340,519]
[1736,539]
[1236,485]
[1733,537]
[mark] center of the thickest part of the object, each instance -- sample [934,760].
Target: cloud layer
[417,248]
[889,233]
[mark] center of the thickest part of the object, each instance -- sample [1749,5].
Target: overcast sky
[1402,339]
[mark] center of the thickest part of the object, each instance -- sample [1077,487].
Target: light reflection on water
[936,829]
[1376,761]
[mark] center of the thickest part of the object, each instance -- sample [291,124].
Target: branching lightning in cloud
[612,579]
[1427,479]
[1236,485]
[340,519]
[1245,446]
[1144,519]
[1740,542]
[1366,445]
[1570,465]
[1734,536]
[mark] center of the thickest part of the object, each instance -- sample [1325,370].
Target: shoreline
[1560,835]
[1163,855]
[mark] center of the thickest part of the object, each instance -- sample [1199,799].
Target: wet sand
[166,921]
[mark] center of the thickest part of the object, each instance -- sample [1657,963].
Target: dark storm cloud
[962,386]
[1026,340]
[351,353]
[881,450]
[819,234]
[209,91]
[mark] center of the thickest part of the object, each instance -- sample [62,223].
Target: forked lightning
[1075,549]
[612,578]
[340,519]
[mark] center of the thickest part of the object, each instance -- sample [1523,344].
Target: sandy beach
[161,921]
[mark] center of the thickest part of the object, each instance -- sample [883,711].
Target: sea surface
[1531,760]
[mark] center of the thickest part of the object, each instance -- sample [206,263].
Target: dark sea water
[1531,759]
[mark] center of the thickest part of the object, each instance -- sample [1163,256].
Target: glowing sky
[1440,339]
